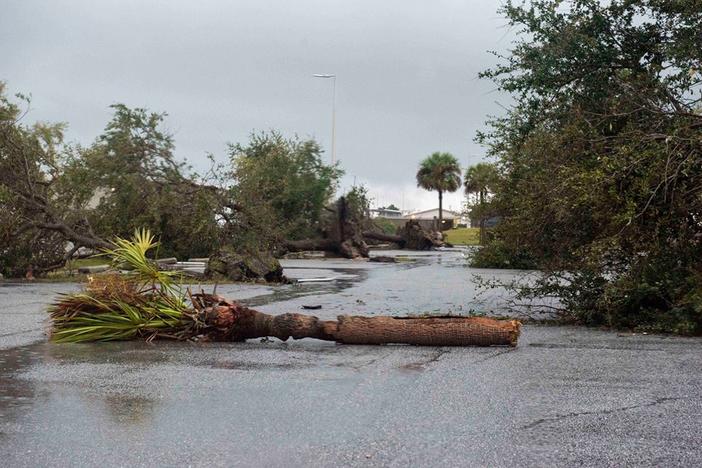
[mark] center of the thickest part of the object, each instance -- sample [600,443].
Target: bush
[498,255]
[661,297]
[384,225]
[598,160]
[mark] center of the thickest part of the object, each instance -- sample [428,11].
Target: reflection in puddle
[16,394]
[130,409]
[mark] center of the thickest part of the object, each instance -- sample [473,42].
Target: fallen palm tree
[148,304]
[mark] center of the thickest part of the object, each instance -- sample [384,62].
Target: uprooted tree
[347,228]
[148,304]
[59,201]
[341,227]
[38,210]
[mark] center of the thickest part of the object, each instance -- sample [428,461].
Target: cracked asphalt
[566,396]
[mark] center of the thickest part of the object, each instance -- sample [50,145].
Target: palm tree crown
[480,178]
[440,172]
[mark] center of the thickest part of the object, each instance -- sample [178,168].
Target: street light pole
[333,143]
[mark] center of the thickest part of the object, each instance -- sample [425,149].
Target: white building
[386,213]
[430,218]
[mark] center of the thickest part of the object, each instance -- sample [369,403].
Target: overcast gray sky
[407,75]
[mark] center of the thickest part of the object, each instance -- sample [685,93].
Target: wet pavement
[564,396]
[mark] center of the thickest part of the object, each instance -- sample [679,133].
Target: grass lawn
[70,271]
[463,236]
[90,261]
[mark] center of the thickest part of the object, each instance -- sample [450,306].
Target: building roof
[433,213]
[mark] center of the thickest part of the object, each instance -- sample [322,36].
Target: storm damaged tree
[148,304]
[341,228]
[133,179]
[600,159]
[282,184]
[41,225]
[59,201]
[277,192]
[285,192]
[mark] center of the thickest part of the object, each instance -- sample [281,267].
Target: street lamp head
[324,75]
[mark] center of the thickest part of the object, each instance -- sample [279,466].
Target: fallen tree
[149,305]
[344,234]
[410,236]
[341,235]
[222,319]
[236,266]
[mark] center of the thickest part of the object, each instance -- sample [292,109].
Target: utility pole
[333,142]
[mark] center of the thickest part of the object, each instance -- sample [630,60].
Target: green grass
[69,273]
[463,236]
[90,261]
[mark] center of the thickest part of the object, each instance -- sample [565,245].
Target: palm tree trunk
[482,220]
[441,215]
[228,321]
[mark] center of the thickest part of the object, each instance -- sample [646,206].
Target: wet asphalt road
[564,396]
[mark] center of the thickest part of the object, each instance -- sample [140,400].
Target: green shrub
[384,225]
[498,255]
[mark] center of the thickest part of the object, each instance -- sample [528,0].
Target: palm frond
[132,253]
[143,303]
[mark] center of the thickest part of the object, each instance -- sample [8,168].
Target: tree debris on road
[148,304]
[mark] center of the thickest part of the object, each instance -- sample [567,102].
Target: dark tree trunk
[381,236]
[327,245]
[342,235]
[482,219]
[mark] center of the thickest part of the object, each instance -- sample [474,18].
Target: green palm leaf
[145,302]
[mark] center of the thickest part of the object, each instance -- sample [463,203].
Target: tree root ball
[239,266]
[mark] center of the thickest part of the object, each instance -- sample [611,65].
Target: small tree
[479,181]
[440,172]
[281,187]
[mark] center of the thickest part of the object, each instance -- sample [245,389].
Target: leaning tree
[58,200]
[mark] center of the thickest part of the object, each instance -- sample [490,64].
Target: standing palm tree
[479,181]
[439,172]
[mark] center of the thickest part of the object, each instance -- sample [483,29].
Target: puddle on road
[106,380]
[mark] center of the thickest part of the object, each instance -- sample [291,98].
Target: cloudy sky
[407,75]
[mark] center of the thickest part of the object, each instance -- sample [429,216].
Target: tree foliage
[57,198]
[601,157]
[38,212]
[280,187]
[135,181]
